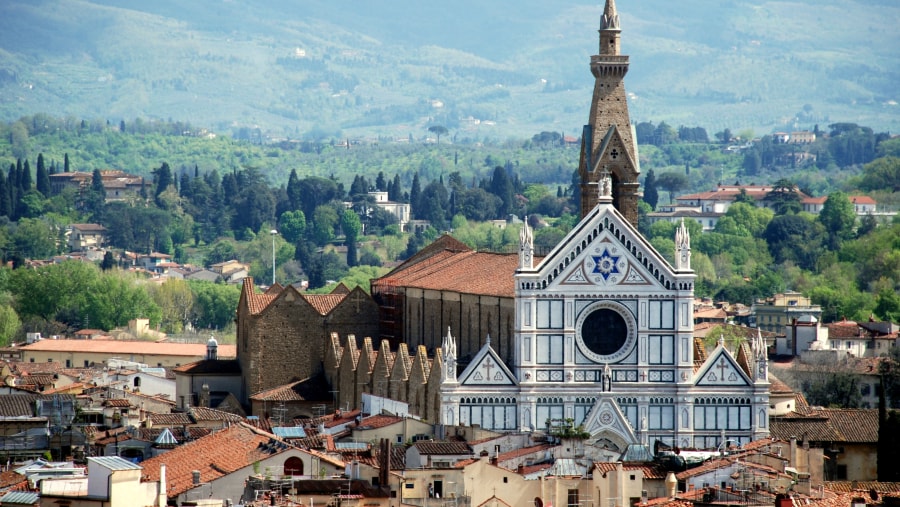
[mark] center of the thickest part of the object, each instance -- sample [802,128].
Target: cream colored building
[83,353]
[111,482]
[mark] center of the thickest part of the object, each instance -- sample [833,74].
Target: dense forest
[206,200]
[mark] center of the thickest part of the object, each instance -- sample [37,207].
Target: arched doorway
[293,466]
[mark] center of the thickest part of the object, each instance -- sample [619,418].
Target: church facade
[603,325]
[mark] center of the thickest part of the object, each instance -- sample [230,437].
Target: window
[661,349]
[550,349]
[865,389]
[714,414]
[489,413]
[68,363]
[550,314]
[604,331]
[662,314]
[661,417]
[572,498]
[49,359]
[86,363]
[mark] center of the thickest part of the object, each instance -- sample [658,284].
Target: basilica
[597,336]
[602,332]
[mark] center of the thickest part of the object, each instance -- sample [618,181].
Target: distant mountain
[481,69]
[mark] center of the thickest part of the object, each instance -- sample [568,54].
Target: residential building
[400,210]
[84,236]
[111,481]
[119,185]
[776,312]
[83,353]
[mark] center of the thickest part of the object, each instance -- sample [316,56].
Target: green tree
[34,239]
[795,238]
[162,179]
[438,130]
[838,218]
[835,390]
[176,302]
[882,174]
[783,198]
[351,226]
[651,194]
[325,220]
[117,298]
[108,261]
[502,187]
[9,324]
[672,182]
[42,177]
[292,225]
[743,219]
[214,304]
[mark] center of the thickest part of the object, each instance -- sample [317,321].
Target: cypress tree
[414,193]
[66,163]
[395,193]
[25,181]
[42,177]
[4,196]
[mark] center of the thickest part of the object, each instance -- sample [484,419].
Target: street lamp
[274,233]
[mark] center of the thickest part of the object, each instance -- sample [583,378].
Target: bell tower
[608,141]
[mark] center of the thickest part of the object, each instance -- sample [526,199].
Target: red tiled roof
[173,419]
[844,500]
[312,389]
[117,402]
[378,421]
[447,264]
[127,347]
[214,456]
[323,303]
[443,448]
[850,486]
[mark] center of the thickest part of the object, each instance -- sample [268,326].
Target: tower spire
[610,19]
[608,140]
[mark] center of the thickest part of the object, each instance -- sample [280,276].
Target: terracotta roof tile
[443,448]
[378,421]
[446,266]
[851,486]
[173,419]
[17,405]
[214,456]
[324,303]
[127,347]
[312,389]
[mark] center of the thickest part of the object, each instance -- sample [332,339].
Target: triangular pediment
[606,153]
[606,417]
[606,251]
[487,369]
[721,369]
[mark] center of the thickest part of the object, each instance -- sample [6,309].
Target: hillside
[496,69]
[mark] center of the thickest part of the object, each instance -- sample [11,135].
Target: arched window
[293,466]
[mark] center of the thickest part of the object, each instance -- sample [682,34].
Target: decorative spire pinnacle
[448,347]
[526,246]
[610,19]
[682,247]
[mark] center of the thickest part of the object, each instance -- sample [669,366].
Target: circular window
[605,331]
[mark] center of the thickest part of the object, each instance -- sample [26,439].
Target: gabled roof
[829,425]
[214,456]
[721,369]
[443,448]
[315,388]
[449,265]
[211,367]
